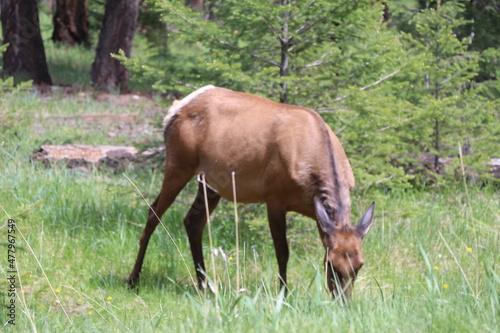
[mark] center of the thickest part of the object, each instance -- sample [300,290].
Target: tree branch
[234,47]
[380,81]
[307,99]
[318,62]
[308,25]
[331,109]
[270,25]
[368,86]
[305,7]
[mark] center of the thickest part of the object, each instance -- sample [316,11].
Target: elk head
[342,241]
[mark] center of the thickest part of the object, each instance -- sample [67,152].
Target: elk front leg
[195,222]
[277,223]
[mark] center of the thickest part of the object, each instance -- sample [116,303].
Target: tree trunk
[25,55]
[285,40]
[205,6]
[197,4]
[386,13]
[71,22]
[117,33]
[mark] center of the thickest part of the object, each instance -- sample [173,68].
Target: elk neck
[331,187]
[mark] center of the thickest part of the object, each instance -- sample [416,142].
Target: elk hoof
[132,281]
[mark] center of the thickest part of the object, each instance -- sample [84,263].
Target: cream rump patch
[178,105]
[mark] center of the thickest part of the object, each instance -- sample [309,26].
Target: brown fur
[283,155]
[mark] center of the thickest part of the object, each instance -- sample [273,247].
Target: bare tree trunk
[197,4]
[71,22]
[202,6]
[386,13]
[117,33]
[285,40]
[437,132]
[25,55]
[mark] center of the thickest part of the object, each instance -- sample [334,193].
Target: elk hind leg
[173,183]
[195,222]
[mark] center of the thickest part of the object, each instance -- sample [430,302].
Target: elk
[284,156]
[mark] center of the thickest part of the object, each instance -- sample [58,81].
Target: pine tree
[389,99]
[448,106]
[335,57]
[298,52]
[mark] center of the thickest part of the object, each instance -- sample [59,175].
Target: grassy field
[431,257]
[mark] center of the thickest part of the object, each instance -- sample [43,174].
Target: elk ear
[366,221]
[322,217]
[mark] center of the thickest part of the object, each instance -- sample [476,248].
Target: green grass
[431,257]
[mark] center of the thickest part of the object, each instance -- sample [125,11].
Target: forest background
[402,83]
[410,87]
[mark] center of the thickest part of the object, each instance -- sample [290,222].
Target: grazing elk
[283,155]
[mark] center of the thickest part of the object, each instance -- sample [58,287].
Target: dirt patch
[125,99]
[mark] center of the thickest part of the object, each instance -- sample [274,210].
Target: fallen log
[495,167]
[86,156]
[424,166]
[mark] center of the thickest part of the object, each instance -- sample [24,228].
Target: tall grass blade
[458,265]
[212,259]
[236,232]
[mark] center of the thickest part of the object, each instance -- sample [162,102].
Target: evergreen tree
[388,98]
[448,107]
[299,52]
